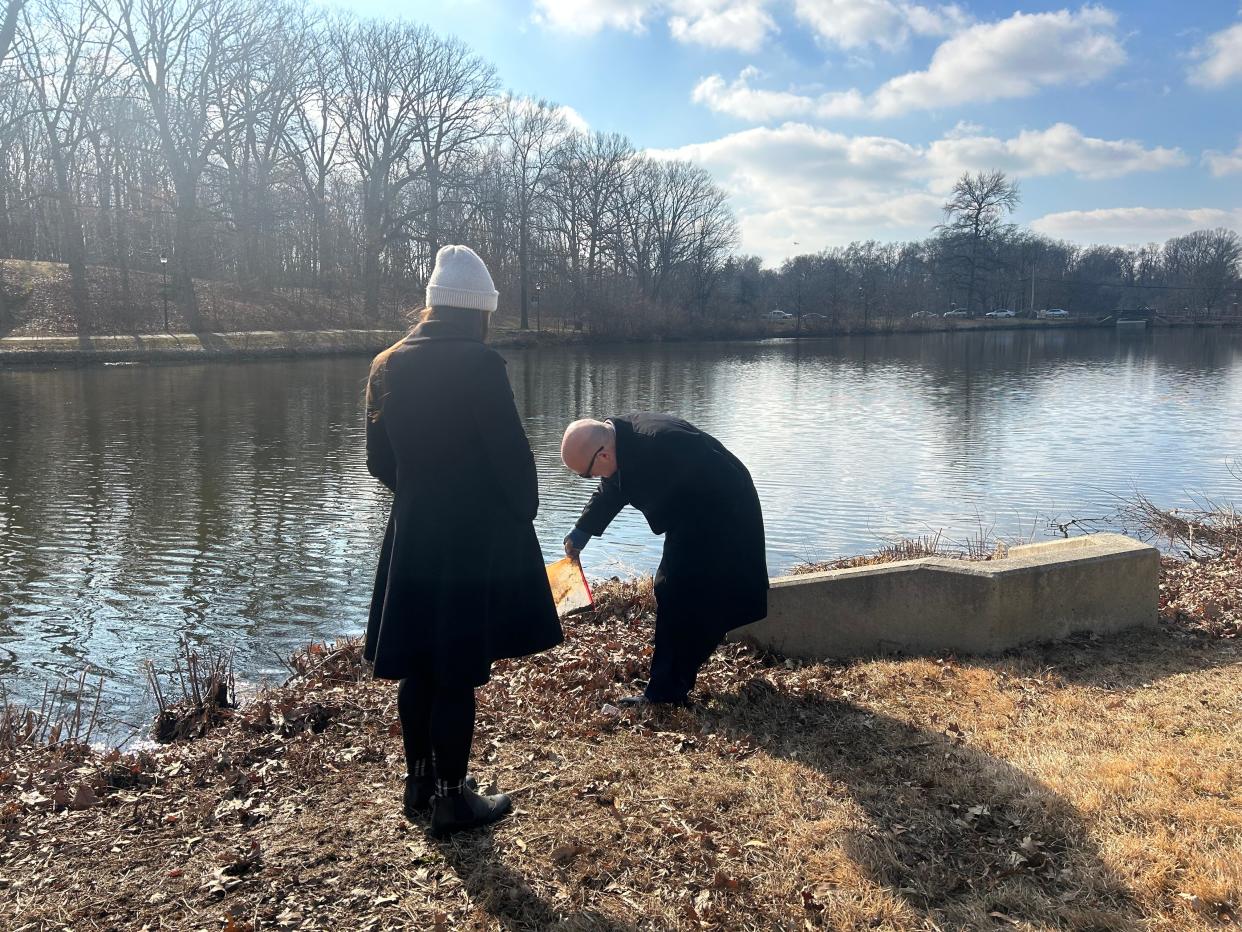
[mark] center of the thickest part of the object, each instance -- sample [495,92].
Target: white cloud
[887,24]
[739,99]
[797,163]
[743,26]
[801,183]
[587,17]
[734,24]
[1135,225]
[1015,57]
[805,183]
[573,119]
[963,129]
[1224,163]
[1059,148]
[791,229]
[1219,59]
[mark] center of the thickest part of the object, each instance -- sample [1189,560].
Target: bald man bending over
[713,576]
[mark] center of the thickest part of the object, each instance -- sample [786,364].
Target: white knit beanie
[460,279]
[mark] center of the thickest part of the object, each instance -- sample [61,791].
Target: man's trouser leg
[680,649]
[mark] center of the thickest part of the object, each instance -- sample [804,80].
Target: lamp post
[535,301]
[164,273]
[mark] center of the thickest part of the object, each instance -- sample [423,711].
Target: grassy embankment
[1091,784]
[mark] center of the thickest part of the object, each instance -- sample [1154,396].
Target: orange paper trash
[570,589]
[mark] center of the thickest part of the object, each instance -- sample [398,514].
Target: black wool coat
[461,580]
[714,574]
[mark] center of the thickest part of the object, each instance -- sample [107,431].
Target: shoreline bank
[230,346]
[269,344]
[862,793]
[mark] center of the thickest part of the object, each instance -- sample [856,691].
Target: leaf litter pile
[1090,784]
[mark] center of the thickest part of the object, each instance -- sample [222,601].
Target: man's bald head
[589,448]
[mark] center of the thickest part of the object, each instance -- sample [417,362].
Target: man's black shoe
[418,793]
[466,810]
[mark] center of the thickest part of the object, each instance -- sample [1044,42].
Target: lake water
[230,503]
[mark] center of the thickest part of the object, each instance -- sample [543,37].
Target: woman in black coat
[461,580]
[713,576]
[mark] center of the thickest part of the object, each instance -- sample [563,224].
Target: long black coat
[461,580]
[714,573]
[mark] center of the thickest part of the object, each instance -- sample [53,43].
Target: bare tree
[975,210]
[66,62]
[9,20]
[179,51]
[257,101]
[313,142]
[714,235]
[589,178]
[678,203]
[1207,264]
[381,68]
[532,130]
[453,113]
[8,26]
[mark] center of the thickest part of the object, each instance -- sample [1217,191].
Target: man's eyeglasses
[586,473]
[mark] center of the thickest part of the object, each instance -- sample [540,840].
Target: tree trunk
[523,257]
[75,256]
[73,245]
[371,271]
[373,241]
[122,239]
[322,250]
[5,323]
[970,288]
[183,254]
[433,211]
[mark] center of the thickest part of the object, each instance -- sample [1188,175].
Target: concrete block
[1039,592]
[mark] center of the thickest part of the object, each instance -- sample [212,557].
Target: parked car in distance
[956,312]
[814,318]
[1056,313]
[1000,312]
[777,315]
[917,315]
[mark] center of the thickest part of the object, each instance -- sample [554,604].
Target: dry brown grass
[1206,530]
[983,545]
[1092,784]
[40,303]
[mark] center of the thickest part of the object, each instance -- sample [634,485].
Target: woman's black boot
[459,812]
[418,793]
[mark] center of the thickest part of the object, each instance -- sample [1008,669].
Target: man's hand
[575,540]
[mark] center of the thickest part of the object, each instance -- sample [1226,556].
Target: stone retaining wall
[1039,592]
[254,344]
[175,346]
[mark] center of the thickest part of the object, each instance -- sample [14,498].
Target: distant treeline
[1192,276]
[280,148]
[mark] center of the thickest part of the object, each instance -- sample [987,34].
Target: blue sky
[835,120]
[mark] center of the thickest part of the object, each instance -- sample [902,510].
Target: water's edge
[275,344]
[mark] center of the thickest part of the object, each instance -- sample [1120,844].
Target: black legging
[437,724]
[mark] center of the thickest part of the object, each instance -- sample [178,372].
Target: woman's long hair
[471,322]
